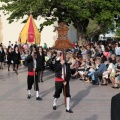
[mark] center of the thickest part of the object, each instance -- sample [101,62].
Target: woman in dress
[9,58]
[2,54]
[40,63]
[16,59]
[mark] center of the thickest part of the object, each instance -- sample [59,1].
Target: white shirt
[63,68]
[35,63]
[102,47]
[117,50]
[111,66]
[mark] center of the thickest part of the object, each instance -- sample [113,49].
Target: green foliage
[91,26]
[118,32]
[86,15]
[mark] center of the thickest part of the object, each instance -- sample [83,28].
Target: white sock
[68,103]
[54,101]
[29,92]
[37,94]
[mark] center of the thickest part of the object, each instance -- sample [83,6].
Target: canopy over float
[30,33]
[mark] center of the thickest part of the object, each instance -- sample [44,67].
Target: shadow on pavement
[46,92]
[93,117]
[80,95]
[54,115]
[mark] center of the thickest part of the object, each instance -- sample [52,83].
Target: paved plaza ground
[88,102]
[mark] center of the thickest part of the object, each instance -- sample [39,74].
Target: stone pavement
[88,102]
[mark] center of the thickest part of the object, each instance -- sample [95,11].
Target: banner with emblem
[30,33]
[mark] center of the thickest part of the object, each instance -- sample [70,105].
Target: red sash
[59,79]
[31,73]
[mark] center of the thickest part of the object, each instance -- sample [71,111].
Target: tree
[78,12]
[118,32]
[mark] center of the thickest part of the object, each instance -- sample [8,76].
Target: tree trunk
[81,31]
[81,38]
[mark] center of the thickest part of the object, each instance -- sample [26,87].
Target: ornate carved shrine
[62,41]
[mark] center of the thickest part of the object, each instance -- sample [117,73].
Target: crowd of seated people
[98,65]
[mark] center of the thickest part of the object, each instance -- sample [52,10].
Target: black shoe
[115,87]
[93,82]
[29,96]
[97,84]
[54,108]
[78,76]
[13,69]
[16,72]
[38,98]
[104,84]
[81,79]
[70,111]
[73,77]
[42,81]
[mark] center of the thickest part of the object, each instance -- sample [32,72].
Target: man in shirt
[62,78]
[102,67]
[9,44]
[117,49]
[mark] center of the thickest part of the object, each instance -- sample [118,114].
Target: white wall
[72,34]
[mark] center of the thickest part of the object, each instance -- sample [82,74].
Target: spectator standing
[40,63]
[9,58]
[16,59]
[12,46]
[9,44]
[45,46]
[117,49]
[25,46]
[2,54]
[16,45]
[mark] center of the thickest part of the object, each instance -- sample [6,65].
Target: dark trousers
[115,107]
[97,76]
[59,87]
[30,81]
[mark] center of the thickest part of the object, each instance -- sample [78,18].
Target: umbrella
[30,32]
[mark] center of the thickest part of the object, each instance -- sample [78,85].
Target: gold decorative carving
[63,41]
